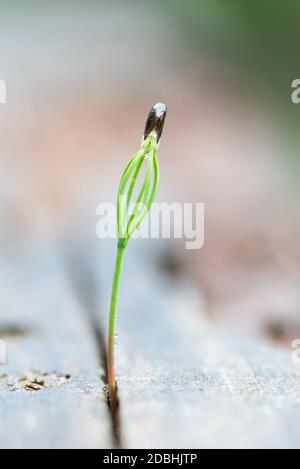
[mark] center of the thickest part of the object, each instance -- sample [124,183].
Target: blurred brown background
[81,77]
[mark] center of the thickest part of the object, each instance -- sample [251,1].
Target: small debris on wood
[33,380]
[171,264]
[106,394]
[32,387]
[13,331]
[282,332]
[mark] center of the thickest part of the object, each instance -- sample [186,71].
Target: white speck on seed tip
[160,109]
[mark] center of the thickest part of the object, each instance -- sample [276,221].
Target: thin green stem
[112,321]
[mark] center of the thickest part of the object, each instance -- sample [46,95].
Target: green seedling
[130,216]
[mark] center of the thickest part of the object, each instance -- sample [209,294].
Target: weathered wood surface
[50,388]
[185,382]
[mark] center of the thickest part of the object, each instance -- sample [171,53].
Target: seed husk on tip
[155,120]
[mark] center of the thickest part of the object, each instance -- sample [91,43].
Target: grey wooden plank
[69,411]
[185,382]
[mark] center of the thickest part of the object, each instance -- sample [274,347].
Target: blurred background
[81,78]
